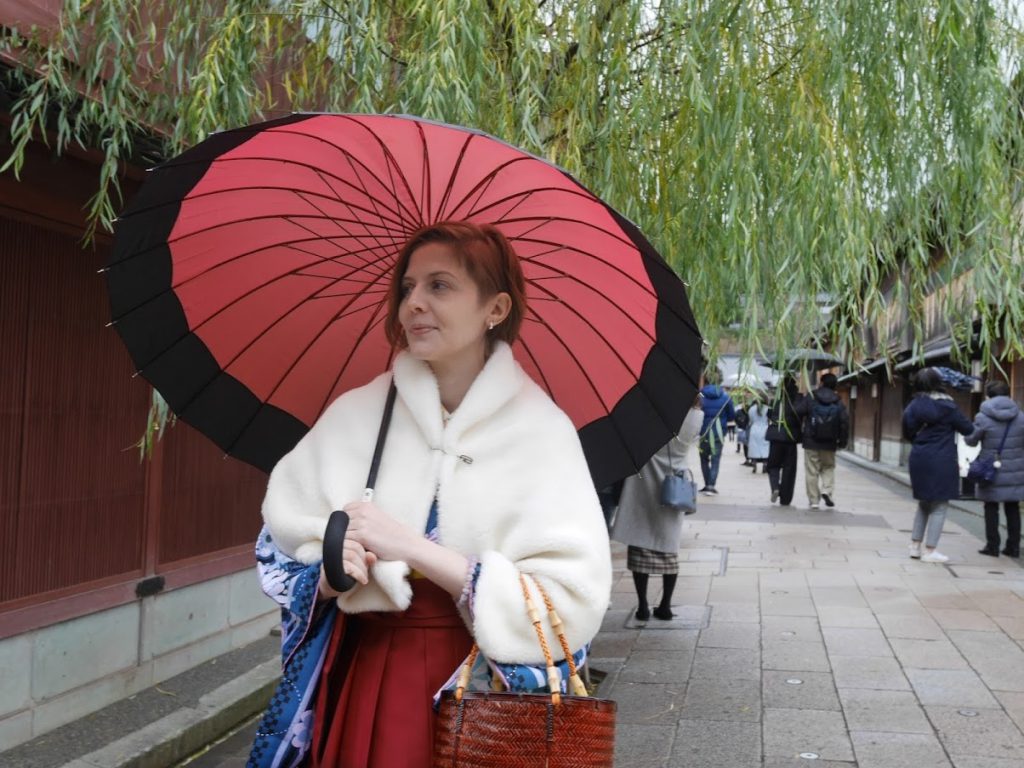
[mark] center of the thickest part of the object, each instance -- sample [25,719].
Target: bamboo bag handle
[575,684]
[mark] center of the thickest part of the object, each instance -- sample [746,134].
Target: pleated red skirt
[374,706]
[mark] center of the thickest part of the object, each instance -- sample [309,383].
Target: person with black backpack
[784,434]
[826,428]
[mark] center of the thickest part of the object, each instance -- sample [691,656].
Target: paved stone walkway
[809,638]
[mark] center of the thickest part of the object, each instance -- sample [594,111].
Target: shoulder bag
[501,729]
[985,468]
[678,489]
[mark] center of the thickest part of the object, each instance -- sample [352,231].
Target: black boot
[664,609]
[643,611]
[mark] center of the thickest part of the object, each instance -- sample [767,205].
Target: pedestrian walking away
[930,423]
[1000,423]
[650,531]
[826,428]
[742,423]
[718,409]
[757,442]
[784,433]
[482,478]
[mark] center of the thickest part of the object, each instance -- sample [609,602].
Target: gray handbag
[678,489]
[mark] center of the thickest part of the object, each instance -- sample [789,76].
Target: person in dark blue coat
[718,410]
[930,423]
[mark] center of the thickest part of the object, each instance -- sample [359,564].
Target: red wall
[82,519]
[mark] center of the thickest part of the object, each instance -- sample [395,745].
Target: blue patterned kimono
[285,733]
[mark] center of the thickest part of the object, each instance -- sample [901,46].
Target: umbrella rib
[224,368]
[181,238]
[425,186]
[558,246]
[451,178]
[392,165]
[593,388]
[536,364]
[374,321]
[398,223]
[313,341]
[396,215]
[287,130]
[504,219]
[330,281]
[358,238]
[486,180]
[578,314]
[394,193]
[283,244]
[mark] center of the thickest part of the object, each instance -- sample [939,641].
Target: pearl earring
[490,326]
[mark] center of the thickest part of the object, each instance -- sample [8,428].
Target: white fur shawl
[526,501]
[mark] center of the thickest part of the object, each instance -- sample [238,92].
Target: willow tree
[776,153]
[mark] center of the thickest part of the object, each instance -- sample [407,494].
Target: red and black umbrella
[249,277]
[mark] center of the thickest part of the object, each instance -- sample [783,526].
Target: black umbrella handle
[334,552]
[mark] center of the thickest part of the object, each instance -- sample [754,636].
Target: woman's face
[442,314]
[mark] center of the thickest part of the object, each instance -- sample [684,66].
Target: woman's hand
[378,532]
[357,563]
[383,536]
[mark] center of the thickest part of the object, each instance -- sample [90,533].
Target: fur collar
[511,483]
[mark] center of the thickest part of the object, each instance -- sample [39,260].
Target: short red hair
[486,255]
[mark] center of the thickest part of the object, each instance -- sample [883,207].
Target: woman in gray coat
[1000,415]
[650,531]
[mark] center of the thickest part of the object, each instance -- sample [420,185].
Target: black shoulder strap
[1002,442]
[382,433]
[337,524]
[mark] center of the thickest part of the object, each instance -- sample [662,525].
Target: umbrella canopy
[802,359]
[964,382]
[248,280]
[745,380]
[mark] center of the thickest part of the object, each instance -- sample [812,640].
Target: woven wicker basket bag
[500,729]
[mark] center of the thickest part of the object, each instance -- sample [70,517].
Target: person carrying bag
[1001,472]
[482,478]
[651,528]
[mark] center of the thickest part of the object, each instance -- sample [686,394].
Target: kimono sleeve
[560,539]
[295,510]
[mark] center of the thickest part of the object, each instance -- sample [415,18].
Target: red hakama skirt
[374,706]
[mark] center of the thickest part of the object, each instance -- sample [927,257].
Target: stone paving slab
[987,733]
[717,744]
[883,711]
[789,732]
[875,749]
[800,689]
[951,687]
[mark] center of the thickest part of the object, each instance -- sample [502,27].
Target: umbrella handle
[334,548]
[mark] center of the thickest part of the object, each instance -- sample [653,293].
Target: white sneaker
[934,557]
[915,550]
[815,505]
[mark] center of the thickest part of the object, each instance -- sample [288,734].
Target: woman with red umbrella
[482,477]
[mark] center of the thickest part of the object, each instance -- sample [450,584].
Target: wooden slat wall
[893,403]
[79,505]
[73,501]
[14,332]
[208,502]
[863,427]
